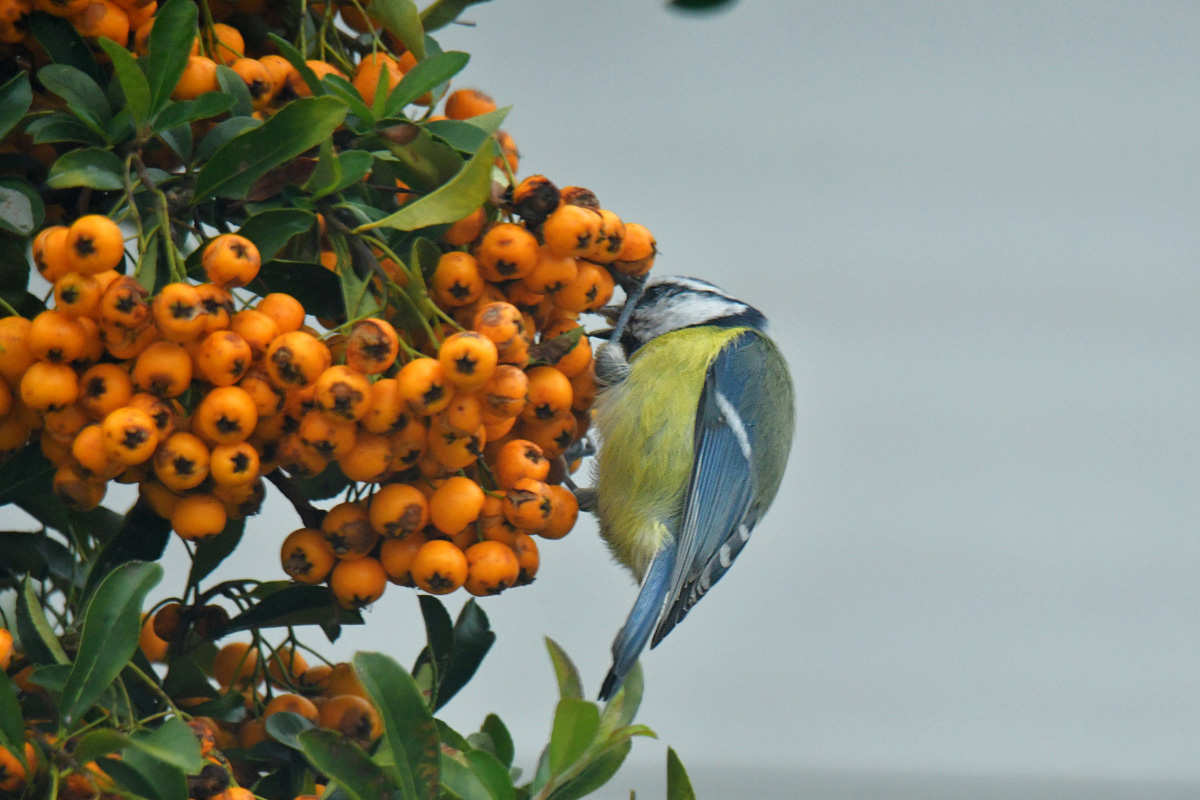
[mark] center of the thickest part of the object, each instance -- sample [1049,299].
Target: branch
[309,514]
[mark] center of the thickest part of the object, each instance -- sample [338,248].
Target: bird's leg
[633,288]
[586,497]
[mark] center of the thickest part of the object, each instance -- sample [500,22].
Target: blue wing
[720,508]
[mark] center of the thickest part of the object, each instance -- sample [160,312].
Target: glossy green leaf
[207,105]
[297,127]
[143,537]
[576,723]
[12,727]
[402,19]
[493,774]
[285,727]
[338,86]
[495,728]
[441,13]
[37,637]
[221,134]
[569,683]
[326,174]
[345,763]
[408,725]
[212,551]
[170,45]
[133,81]
[62,42]
[461,778]
[473,637]
[99,742]
[62,127]
[232,85]
[490,121]
[21,208]
[271,230]
[623,707]
[679,786]
[296,59]
[40,556]
[164,781]
[461,195]
[171,743]
[319,291]
[185,678]
[111,623]
[297,604]
[15,99]
[425,76]
[355,276]
[84,97]
[439,635]
[332,481]
[461,135]
[23,474]
[598,771]
[93,167]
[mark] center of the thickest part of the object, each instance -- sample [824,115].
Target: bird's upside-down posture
[695,425]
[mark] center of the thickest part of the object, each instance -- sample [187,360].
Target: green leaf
[402,19]
[297,604]
[285,727]
[296,59]
[569,683]
[213,550]
[326,174]
[679,786]
[37,637]
[332,481]
[462,136]
[439,633]
[142,537]
[462,777]
[345,763]
[185,678]
[297,127]
[171,743]
[355,165]
[62,42]
[408,726]
[340,87]
[99,742]
[15,99]
[461,195]
[133,81]
[164,781]
[111,623]
[473,637]
[271,230]
[12,728]
[356,281]
[490,121]
[209,104]
[40,556]
[26,473]
[492,773]
[501,738]
[623,707]
[93,167]
[425,76]
[84,97]
[441,13]
[233,86]
[21,208]
[222,133]
[598,771]
[61,127]
[576,723]
[170,45]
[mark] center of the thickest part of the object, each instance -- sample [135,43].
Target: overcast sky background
[974,228]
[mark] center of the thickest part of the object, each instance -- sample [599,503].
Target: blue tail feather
[642,619]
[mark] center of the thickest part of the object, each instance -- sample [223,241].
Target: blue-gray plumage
[695,434]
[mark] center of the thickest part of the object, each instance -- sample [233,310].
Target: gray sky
[974,227]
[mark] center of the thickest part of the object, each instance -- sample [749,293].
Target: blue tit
[694,417]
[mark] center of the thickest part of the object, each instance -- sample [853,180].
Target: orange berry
[87,448]
[554,436]
[6,648]
[56,336]
[15,355]
[370,69]
[369,461]
[468,360]
[590,291]
[164,369]
[103,18]
[455,449]
[294,703]
[198,516]
[466,103]
[492,567]
[569,362]
[527,504]
[306,556]
[397,556]
[158,409]
[507,251]
[199,77]
[298,459]
[231,260]
[398,510]
[552,272]
[124,305]
[409,441]
[528,560]
[328,437]
[456,280]
[257,79]
[439,567]
[130,435]
[216,306]
[464,415]
[343,393]
[278,69]
[94,244]
[257,329]
[178,311]
[234,464]
[519,459]
[347,528]
[50,252]
[424,386]
[372,346]
[154,646]
[223,358]
[296,83]
[358,582]
[296,359]
[236,662]
[49,387]
[285,666]
[267,398]
[503,323]
[286,310]
[224,43]
[227,415]
[455,504]
[77,294]
[564,510]
[352,716]
[549,395]
[387,411]
[638,250]
[76,490]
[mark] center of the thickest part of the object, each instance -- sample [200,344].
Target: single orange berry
[231,260]
[492,567]
[94,244]
[306,556]
[358,582]
[199,516]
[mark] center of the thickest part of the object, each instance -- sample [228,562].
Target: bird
[694,418]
